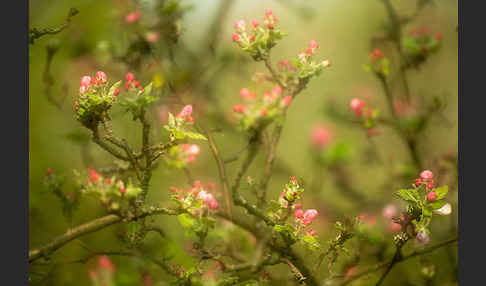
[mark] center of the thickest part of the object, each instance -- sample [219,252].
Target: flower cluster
[424,199]
[111,191]
[196,199]
[131,83]
[179,125]
[95,99]
[282,209]
[420,42]
[304,64]
[180,156]
[257,111]
[368,114]
[378,63]
[258,40]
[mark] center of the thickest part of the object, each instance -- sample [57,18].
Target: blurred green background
[343,30]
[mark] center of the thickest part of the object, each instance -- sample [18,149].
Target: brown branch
[34,33]
[90,227]
[222,171]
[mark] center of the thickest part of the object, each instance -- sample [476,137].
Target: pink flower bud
[423,237]
[287,100]
[101,76]
[299,213]
[431,197]
[438,36]
[297,206]
[321,136]
[186,111]
[311,214]
[245,93]
[357,106]
[268,12]
[277,90]
[313,44]
[306,221]
[85,81]
[430,186]
[116,92]
[293,179]
[129,77]
[418,182]
[312,232]
[132,17]
[240,25]
[309,52]
[213,204]
[239,108]
[389,211]
[376,54]
[427,175]
[106,264]
[236,37]
[137,84]
[255,23]
[83,89]
[270,26]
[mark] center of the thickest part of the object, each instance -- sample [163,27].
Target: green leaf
[113,87]
[147,89]
[171,120]
[441,192]
[186,220]
[436,205]
[409,195]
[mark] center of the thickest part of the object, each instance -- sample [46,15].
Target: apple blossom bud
[438,36]
[312,232]
[423,237]
[395,227]
[418,182]
[357,106]
[235,37]
[132,17]
[287,100]
[268,12]
[83,89]
[277,90]
[311,214]
[297,206]
[85,81]
[427,175]
[129,77]
[116,92]
[101,76]
[239,108]
[431,197]
[255,23]
[240,25]
[313,44]
[389,211]
[106,264]
[320,136]
[430,186]
[270,26]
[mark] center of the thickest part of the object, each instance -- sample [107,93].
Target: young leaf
[441,192]
[186,220]
[408,195]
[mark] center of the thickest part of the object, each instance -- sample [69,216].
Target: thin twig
[34,33]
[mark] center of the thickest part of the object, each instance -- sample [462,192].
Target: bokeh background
[343,30]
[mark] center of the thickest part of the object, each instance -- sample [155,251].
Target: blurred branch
[35,33]
[52,49]
[93,226]
[403,258]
